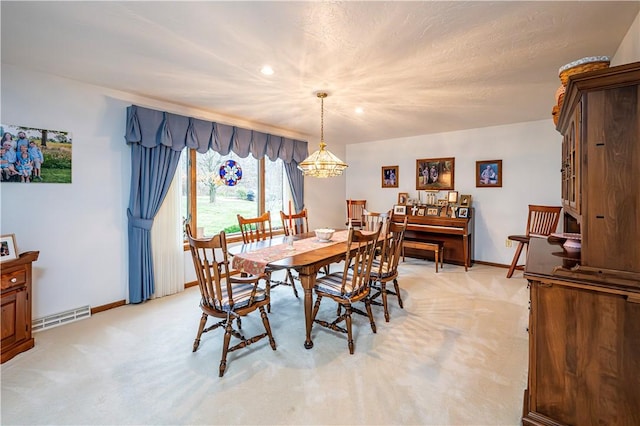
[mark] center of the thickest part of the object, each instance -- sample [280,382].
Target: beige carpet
[456,354]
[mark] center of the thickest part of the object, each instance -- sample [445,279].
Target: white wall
[530,154]
[80,228]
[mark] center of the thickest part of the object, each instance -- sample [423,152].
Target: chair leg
[316,307]
[383,291]
[397,287]
[367,304]
[225,347]
[514,262]
[349,332]
[267,327]
[292,281]
[203,321]
[437,258]
[267,290]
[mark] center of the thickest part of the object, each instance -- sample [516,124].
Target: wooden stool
[437,247]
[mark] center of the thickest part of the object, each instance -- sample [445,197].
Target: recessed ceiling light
[266,70]
[359,110]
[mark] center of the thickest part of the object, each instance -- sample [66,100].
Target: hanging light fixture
[322,163]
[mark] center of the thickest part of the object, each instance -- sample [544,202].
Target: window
[210,206]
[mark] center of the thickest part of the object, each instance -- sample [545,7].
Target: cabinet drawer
[14,278]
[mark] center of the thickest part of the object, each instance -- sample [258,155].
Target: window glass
[217,205]
[276,190]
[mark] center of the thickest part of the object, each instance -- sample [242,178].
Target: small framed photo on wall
[390,176]
[403,198]
[489,174]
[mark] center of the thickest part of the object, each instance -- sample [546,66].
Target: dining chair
[385,268]
[541,222]
[259,229]
[370,220]
[355,208]
[255,228]
[226,297]
[349,286]
[295,223]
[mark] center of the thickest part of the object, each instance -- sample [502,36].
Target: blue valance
[151,128]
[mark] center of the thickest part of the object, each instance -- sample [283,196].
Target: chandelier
[322,163]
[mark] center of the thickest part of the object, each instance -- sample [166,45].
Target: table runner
[256,262]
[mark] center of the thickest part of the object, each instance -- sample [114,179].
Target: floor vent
[61,318]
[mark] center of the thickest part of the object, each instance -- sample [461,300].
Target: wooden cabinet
[584,345]
[571,163]
[16,305]
[584,324]
[600,123]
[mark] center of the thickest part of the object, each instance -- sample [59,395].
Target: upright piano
[455,233]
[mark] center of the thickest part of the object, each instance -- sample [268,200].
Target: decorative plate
[230,172]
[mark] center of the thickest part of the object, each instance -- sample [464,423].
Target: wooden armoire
[584,325]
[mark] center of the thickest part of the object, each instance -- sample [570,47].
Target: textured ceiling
[414,67]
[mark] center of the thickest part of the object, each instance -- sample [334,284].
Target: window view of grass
[217,204]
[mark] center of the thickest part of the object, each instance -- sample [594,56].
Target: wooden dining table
[312,256]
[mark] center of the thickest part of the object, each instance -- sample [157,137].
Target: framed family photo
[463,212]
[403,198]
[389,176]
[435,173]
[489,173]
[433,211]
[400,209]
[8,249]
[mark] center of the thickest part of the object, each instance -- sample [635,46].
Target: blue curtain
[157,138]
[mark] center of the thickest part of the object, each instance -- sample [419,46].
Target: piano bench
[437,247]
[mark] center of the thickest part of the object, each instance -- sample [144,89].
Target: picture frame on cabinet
[489,174]
[463,212]
[390,176]
[433,211]
[435,173]
[8,248]
[421,211]
[452,197]
[400,209]
[403,198]
[465,200]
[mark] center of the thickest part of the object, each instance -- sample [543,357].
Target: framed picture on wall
[489,174]
[390,176]
[435,173]
[8,249]
[48,149]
